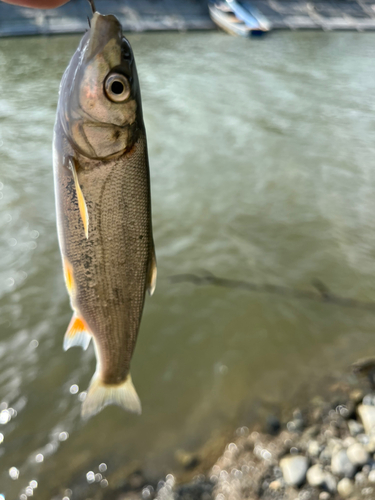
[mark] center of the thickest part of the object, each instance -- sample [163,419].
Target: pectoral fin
[77,334]
[68,275]
[81,200]
[152,271]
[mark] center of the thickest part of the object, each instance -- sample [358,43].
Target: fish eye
[117,87]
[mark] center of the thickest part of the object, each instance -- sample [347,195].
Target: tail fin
[100,395]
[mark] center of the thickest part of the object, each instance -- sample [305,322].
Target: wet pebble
[341,465]
[324,495]
[369,399]
[294,468]
[360,478]
[315,475]
[330,482]
[349,441]
[356,395]
[276,485]
[298,420]
[371,476]
[345,487]
[273,425]
[358,454]
[325,456]
[318,477]
[313,448]
[371,445]
[367,415]
[355,427]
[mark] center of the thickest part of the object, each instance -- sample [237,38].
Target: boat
[245,10]
[238,18]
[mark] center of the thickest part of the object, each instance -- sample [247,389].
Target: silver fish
[103,205]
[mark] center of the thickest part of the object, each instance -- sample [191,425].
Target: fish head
[100,104]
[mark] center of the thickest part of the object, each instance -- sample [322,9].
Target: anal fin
[152,271]
[77,334]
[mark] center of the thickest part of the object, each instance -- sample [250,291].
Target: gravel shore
[324,451]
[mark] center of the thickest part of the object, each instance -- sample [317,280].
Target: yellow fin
[68,275]
[81,200]
[152,271]
[77,334]
[100,395]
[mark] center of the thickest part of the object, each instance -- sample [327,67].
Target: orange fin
[68,275]
[77,334]
[81,200]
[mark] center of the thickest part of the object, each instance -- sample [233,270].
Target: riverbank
[323,451]
[157,15]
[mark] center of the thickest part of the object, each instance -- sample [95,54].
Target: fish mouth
[103,30]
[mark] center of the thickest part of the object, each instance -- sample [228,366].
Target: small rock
[295,426]
[330,482]
[349,441]
[366,469]
[325,456]
[363,439]
[186,459]
[294,468]
[324,495]
[371,446]
[273,425]
[356,395]
[360,478]
[355,427]
[298,420]
[345,487]
[346,410]
[276,485]
[357,454]
[313,448]
[315,475]
[367,415]
[369,399]
[371,476]
[335,445]
[319,478]
[341,465]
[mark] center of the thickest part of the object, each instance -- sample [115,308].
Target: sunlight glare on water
[262,170]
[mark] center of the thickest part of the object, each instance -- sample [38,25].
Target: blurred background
[262,168]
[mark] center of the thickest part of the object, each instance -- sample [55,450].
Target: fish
[103,208]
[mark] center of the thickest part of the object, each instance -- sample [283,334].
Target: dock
[182,15]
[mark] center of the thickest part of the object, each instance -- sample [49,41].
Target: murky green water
[262,156]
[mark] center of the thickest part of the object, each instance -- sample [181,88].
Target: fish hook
[93,8]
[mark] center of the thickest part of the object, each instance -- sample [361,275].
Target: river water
[262,166]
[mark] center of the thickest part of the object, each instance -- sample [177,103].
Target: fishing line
[92,4]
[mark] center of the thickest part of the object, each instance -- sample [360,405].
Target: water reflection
[261,163]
